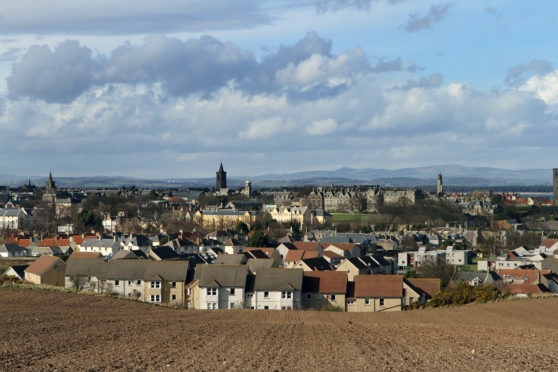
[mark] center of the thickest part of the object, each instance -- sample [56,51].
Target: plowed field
[59,331]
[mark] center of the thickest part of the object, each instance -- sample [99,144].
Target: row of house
[228,286]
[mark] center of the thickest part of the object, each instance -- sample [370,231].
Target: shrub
[463,293]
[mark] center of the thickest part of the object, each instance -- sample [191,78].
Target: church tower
[50,184]
[440,186]
[221,179]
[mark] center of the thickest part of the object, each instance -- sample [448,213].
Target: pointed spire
[221,168]
[50,176]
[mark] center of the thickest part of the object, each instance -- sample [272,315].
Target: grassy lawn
[355,217]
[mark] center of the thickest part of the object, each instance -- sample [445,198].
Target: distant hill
[453,175]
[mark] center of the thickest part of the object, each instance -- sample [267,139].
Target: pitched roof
[294,255]
[267,250]
[343,246]
[330,255]
[230,259]
[215,276]
[357,263]
[378,286]
[430,286]
[307,246]
[528,275]
[258,263]
[548,243]
[325,281]
[86,255]
[527,289]
[164,252]
[19,269]
[278,279]
[318,263]
[42,264]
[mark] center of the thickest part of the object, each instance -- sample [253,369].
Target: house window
[266,294]
[350,302]
[173,284]
[232,291]
[367,301]
[308,296]
[411,299]
[155,298]
[266,307]
[117,282]
[174,297]
[211,291]
[156,284]
[333,297]
[129,282]
[286,294]
[138,282]
[381,302]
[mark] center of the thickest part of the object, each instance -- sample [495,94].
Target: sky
[169,89]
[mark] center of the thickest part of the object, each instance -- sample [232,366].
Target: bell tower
[221,178]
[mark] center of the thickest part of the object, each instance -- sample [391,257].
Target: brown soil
[59,331]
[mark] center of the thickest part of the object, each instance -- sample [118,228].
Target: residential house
[275,289]
[354,266]
[314,264]
[16,271]
[146,280]
[46,270]
[375,293]
[343,249]
[324,289]
[106,247]
[13,250]
[218,287]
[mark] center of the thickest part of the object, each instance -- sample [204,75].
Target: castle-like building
[354,199]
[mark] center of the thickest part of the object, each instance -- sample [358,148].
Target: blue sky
[167,89]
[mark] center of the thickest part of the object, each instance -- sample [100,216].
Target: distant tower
[50,184]
[440,187]
[221,179]
[248,189]
[555,186]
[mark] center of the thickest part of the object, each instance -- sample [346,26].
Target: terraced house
[146,280]
[217,287]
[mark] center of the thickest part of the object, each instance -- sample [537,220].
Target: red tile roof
[307,246]
[42,264]
[429,285]
[330,254]
[78,239]
[378,286]
[548,243]
[311,254]
[294,255]
[86,255]
[48,242]
[24,242]
[325,281]
[526,289]
[529,275]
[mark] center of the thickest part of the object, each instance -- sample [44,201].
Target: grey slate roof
[98,243]
[336,239]
[12,248]
[230,259]
[259,263]
[278,279]
[128,269]
[214,276]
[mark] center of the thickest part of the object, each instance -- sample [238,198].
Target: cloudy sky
[168,88]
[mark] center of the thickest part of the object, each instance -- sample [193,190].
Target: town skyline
[275,87]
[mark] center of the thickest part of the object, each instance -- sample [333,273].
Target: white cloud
[545,86]
[321,127]
[265,128]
